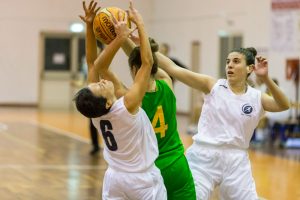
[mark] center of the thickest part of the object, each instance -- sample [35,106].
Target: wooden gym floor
[45,155]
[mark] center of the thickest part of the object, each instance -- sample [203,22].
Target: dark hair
[167,47]
[100,45]
[275,81]
[249,54]
[90,105]
[134,59]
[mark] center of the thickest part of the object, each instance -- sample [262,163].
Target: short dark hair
[90,105]
[134,59]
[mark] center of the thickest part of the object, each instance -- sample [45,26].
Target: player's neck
[151,85]
[239,88]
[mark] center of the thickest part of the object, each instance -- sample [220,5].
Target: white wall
[181,22]
[176,22]
[20,27]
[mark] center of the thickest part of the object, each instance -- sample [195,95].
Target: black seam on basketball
[108,35]
[102,31]
[105,32]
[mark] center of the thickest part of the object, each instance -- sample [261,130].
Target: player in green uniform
[159,104]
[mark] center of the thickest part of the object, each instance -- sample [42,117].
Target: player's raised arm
[104,60]
[278,101]
[134,96]
[90,41]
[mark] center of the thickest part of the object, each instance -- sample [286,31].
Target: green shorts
[179,181]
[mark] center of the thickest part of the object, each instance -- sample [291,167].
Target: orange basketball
[103,27]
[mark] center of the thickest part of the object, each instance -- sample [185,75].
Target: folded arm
[278,101]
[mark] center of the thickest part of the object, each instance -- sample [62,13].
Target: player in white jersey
[130,143]
[231,111]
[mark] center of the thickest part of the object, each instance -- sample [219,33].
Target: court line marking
[4,132]
[3,127]
[8,135]
[59,131]
[54,167]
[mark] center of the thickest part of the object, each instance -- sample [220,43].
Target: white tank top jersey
[130,141]
[227,119]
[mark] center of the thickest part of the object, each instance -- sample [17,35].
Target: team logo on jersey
[247,109]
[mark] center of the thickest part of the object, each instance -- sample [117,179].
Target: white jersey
[130,141]
[228,119]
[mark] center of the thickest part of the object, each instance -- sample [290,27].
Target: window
[228,43]
[57,54]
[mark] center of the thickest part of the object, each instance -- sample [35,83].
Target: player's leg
[179,181]
[206,170]
[147,185]
[112,187]
[238,182]
[94,138]
[160,191]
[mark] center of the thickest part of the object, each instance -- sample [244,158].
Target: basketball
[103,26]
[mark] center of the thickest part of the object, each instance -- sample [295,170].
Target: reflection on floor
[37,163]
[278,151]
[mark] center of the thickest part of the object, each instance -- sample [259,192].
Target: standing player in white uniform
[130,143]
[230,114]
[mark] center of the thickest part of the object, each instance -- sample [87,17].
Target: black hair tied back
[154,45]
[252,50]
[134,59]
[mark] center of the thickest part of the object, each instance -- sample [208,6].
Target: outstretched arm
[201,82]
[90,41]
[134,96]
[278,101]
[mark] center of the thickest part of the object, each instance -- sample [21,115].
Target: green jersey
[160,107]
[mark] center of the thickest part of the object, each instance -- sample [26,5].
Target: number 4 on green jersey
[161,127]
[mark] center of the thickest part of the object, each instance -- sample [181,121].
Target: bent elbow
[285,106]
[288,106]
[148,62]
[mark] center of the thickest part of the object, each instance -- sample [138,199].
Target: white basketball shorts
[228,168]
[148,185]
